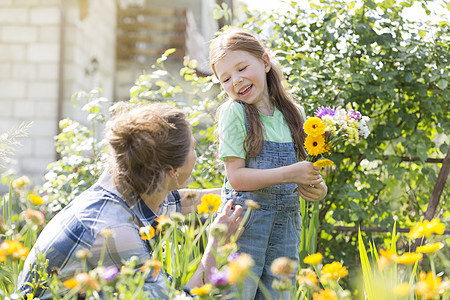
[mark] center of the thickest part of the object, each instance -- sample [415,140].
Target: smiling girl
[261,144]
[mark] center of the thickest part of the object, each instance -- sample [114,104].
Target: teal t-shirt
[232,130]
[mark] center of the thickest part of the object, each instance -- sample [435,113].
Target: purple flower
[354,114]
[218,278]
[110,273]
[233,256]
[325,111]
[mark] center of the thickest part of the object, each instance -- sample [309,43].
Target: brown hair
[146,142]
[234,39]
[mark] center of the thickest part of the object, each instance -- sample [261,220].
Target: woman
[152,153]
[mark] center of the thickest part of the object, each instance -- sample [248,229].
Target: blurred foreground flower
[152,264]
[164,223]
[402,290]
[20,182]
[34,217]
[202,291]
[219,278]
[429,286]
[386,257]
[326,294]
[307,278]
[210,204]
[14,249]
[283,267]
[239,267]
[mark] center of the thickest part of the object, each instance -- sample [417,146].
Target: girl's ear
[266,60]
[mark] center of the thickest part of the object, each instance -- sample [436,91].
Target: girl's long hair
[234,39]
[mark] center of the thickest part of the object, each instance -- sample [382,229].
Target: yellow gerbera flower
[313,259]
[429,286]
[326,294]
[147,232]
[210,204]
[202,291]
[335,270]
[409,258]
[315,145]
[36,199]
[430,248]
[314,127]
[322,163]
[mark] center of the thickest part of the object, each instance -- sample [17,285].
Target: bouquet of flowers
[329,127]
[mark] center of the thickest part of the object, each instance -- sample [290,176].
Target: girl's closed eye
[242,69]
[226,80]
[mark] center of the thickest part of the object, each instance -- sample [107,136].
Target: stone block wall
[48,52]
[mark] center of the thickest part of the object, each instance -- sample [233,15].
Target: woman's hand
[313,193]
[231,218]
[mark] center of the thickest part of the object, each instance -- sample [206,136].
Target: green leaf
[442,84]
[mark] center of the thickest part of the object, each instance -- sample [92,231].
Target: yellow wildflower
[34,217]
[335,270]
[283,266]
[315,145]
[154,265]
[202,291]
[314,127]
[229,247]
[70,283]
[322,163]
[427,228]
[13,248]
[326,294]
[210,204]
[409,258]
[386,257]
[402,290]
[252,204]
[313,259]
[429,286]
[37,200]
[430,248]
[352,131]
[20,182]
[239,268]
[147,232]
[164,223]
[308,278]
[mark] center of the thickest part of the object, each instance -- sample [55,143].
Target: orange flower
[164,223]
[154,265]
[429,286]
[147,232]
[386,257]
[13,248]
[308,278]
[70,283]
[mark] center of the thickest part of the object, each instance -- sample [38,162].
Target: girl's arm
[247,179]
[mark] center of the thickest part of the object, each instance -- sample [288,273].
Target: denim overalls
[273,230]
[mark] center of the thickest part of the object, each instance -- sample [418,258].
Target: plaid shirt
[78,226]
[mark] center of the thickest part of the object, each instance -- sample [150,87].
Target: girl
[261,143]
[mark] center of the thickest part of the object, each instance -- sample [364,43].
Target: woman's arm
[247,179]
[231,218]
[190,198]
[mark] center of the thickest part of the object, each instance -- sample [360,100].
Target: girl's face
[243,77]
[185,171]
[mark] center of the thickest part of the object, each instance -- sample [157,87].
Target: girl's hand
[305,173]
[313,193]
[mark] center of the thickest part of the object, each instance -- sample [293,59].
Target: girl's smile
[243,77]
